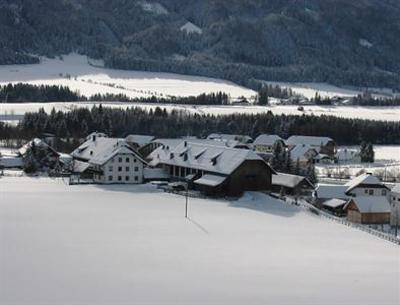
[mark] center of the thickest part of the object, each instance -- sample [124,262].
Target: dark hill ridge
[337,41]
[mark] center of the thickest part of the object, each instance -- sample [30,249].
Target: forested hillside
[337,41]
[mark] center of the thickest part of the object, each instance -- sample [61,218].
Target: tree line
[77,123]
[27,93]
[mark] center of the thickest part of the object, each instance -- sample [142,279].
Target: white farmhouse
[110,160]
[395,205]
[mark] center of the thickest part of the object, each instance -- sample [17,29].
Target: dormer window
[91,152]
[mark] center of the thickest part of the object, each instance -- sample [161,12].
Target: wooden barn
[368,210]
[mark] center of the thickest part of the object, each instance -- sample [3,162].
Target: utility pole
[187,197]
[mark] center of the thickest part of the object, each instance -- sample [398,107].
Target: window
[112,160]
[120,160]
[134,160]
[120,168]
[110,168]
[366,191]
[383,192]
[136,178]
[127,159]
[119,178]
[110,178]
[127,169]
[126,178]
[136,169]
[371,192]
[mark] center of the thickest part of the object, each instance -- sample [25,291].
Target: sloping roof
[334,203]
[309,140]
[266,139]
[328,191]
[212,158]
[80,167]
[140,140]
[396,188]
[91,147]
[364,179]
[230,137]
[211,180]
[102,149]
[37,143]
[299,152]
[371,204]
[289,180]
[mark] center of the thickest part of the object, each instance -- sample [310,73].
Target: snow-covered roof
[329,191]
[37,143]
[299,152]
[212,158]
[266,139]
[189,28]
[334,203]
[396,188]
[140,140]
[309,140]
[230,137]
[211,180]
[364,179]
[79,166]
[100,149]
[371,204]
[288,180]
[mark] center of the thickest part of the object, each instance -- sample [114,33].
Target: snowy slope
[131,245]
[75,72]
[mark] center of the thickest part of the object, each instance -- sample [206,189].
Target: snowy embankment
[78,74]
[131,245]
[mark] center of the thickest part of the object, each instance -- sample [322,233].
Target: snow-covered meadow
[88,77]
[386,165]
[14,111]
[309,90]
[132,245]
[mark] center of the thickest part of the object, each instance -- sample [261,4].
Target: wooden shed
[368,210]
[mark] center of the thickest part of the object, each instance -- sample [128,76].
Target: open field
[14,111]
[131,245]
[75,72]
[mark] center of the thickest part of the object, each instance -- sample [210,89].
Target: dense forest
[77,123]
[336,41]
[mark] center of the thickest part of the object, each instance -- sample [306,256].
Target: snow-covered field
[75,72]
[11,112]
[327,90]
[99,245]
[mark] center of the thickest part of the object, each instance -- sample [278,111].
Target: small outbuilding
[291,184]
[368,210]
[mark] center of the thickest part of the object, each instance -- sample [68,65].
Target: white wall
[360,191]
[130,176]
